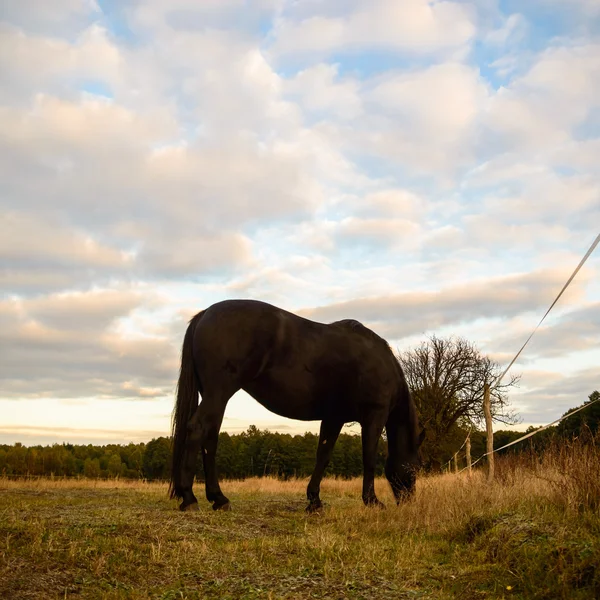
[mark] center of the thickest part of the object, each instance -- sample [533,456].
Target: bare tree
[447,379]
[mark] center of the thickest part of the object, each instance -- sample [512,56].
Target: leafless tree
[447,379]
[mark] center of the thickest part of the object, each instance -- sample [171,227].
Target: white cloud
[393,203]
[413,26]
[426,119]
[188,15]
[41,254]
[320,89]
[396,316]
[58,16]
[553,396]
[31,64]
[581,155]
[28,241]
[70,345]
[390,233]
[513,30]
[440,101]
[540,109]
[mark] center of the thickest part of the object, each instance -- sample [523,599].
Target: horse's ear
[421,439]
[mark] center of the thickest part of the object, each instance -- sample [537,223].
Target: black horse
[300,369]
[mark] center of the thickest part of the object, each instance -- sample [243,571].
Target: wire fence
[532,433]
[497,381]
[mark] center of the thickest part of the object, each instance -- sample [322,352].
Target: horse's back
[295,367]
[245,336]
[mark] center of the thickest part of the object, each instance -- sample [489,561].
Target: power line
[496,383]
[587,255]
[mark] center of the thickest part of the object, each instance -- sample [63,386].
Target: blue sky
[425,167]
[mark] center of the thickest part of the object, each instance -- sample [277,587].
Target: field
[534,533]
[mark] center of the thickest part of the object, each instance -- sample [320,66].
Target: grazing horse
[299,369]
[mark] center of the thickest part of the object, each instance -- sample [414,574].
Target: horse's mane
[358,327]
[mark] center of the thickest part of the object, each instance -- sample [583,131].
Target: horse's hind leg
[212,426]
[327,437]
[371,432]
[203,436]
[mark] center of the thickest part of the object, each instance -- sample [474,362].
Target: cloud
[522,201]
[77,345]
[412,26]
[390,233]
[51,63]
[402,315]
[81,312]
[189,256]
[194,196]
[579,155]
[513,30]
[321,90]
[42,254]
[425,120]
[245,16]
[542,108]
[574,331]
[62,16]
[555,396]
[30,436]
[412,100]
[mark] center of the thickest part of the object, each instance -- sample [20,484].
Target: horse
[335,373]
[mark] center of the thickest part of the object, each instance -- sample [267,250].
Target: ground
[458,538]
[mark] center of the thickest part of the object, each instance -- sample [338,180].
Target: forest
[256,453]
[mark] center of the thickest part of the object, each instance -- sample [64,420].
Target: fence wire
[498,380]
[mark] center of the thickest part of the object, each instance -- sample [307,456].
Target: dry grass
[534,533]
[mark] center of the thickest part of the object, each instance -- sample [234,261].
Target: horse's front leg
[328,435]
[371,432]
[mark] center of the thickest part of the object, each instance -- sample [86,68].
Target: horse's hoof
[189,507]
[375,504]
[314,507]
[225,507]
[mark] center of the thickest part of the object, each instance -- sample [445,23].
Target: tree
[91,468]
[134,460]
[157,459]
[114,465]
[447,379]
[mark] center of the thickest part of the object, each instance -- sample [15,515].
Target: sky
[425,167]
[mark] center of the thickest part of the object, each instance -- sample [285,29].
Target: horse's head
[401,470]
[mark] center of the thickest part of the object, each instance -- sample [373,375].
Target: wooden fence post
[489,430]
[455,463]
[468,454]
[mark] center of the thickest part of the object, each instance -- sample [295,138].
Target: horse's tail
[188,388]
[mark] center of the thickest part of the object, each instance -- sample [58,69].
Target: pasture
[533,533]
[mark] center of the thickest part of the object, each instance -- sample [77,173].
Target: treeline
[255,453]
